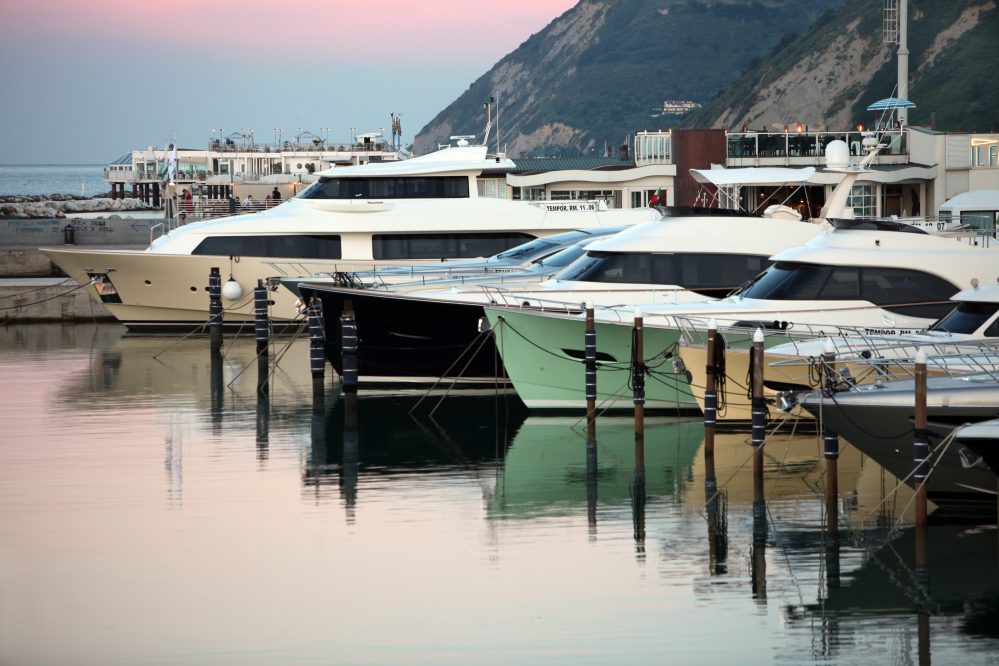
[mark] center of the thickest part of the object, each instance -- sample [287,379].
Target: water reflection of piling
[217,389]
[717,528]
[591,484]
[351,454]
[263,423]
[758,566]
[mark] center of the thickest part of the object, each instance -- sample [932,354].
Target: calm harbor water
[31,179]
[159,511]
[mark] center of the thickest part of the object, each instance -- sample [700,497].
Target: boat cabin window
[442,187]
[968,317]
[443,246]
[283,246]
[708,274]
[903,291]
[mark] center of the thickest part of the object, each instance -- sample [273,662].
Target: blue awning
[891,103]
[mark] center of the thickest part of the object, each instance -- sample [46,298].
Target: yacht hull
[170,291]
[884,432]
[543,356]
[400,336]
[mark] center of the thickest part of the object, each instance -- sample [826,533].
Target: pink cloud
[372,30]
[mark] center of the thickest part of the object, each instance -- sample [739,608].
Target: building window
[611,197]
[443,246]
[861,199]
[533,193]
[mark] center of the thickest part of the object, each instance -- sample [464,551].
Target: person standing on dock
[275,196]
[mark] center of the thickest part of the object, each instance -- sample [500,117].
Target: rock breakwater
[59,205]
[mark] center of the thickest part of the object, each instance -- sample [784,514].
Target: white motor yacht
[353,218]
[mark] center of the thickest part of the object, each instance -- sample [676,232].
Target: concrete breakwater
[63,205]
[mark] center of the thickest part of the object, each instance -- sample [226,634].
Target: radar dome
[837,155]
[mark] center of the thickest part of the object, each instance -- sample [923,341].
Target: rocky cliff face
[604,68]
[826,77]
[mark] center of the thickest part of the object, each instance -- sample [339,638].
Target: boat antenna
[489,120]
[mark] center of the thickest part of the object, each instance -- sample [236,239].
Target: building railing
[808,144]
[652,148]
[307,147]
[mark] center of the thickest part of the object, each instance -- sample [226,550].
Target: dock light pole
[831,440]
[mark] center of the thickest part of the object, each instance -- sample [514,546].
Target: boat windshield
[709,274]
[968,317]
[900,290]
[528,250]
[562,258]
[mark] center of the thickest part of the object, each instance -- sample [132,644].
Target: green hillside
[604,68]
[832,71]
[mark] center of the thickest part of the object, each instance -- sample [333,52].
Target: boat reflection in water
[201,481]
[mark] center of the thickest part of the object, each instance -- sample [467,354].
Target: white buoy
[231,291]
[830,349]
[921,356]
[712,324]
[638,312]
[758,336]
[589,303]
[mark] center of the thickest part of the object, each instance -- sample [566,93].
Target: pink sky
[422,30]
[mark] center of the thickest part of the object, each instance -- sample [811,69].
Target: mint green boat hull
[534,349]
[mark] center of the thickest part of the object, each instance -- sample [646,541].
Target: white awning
[752,176]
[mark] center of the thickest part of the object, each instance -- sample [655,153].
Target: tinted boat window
[286,246]
[967,318]
[717,271]
[899,290]
[786,281]
[442,246]
[630,268]
[442,187]
[842,285]
[891,288]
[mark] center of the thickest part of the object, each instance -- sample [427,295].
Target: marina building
[916,173]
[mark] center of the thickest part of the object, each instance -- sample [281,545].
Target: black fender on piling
[261,324]
[317,346]
[215,309]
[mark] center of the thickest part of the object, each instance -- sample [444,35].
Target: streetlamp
[277,144]
[353,139]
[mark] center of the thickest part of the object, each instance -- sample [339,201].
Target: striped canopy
[891,103]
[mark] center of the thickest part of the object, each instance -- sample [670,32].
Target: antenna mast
[896,31]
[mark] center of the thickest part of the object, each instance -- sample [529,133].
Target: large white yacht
[423,209]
